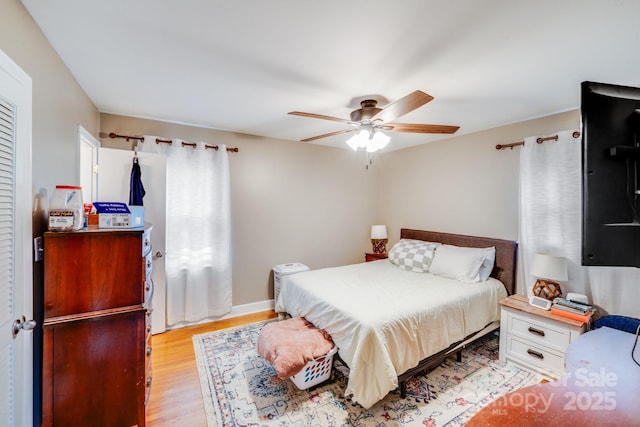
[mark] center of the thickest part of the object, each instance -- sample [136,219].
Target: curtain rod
[193,144]
[575,134]
[168,141]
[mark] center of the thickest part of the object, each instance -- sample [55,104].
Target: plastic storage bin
[66,210]
[283,270]
[315,371]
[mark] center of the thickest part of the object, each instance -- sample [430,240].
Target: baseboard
[254,307]
[236,311]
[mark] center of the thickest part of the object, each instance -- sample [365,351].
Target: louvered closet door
[16,367]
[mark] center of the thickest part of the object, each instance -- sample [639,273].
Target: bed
[390,323]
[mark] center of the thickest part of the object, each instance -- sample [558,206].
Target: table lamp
[379,238]
[548,269]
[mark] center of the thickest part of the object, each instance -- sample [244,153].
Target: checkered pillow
[413,255]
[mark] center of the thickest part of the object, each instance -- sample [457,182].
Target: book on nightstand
[571,315]
[572,310]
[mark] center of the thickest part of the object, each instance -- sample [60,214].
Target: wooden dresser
[96,329]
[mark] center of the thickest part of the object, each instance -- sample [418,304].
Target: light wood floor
[176,399]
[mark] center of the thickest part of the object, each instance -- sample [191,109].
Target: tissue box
[137,216]
[119,215]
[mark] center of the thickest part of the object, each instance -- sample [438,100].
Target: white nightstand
[534,338]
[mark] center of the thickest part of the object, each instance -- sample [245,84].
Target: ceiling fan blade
[319,116]
[419,128]
[403,106]
[326,135]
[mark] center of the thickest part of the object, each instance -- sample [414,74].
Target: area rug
[240,388]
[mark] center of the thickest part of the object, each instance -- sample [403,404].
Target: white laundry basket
[315,371]
[283,270]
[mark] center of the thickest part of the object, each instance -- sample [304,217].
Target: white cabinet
[534,338]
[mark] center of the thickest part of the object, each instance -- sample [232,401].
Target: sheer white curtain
[551,222]
[198,233]
[550,205]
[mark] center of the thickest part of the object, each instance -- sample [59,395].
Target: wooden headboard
[506,251]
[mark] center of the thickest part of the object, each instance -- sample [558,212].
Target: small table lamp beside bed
[392,319]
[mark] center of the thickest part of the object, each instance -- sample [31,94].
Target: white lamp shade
[549,267]
[368,138]
[378,231]
[359,139]
[378,141]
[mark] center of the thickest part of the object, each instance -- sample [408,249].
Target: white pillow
[487,265]
[462,263]
[412,255]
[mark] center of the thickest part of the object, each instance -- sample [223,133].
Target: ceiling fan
[368,120]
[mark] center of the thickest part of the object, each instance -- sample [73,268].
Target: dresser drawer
[148,266]
[148,293]
[539,356]
[147,385]
[539,331]
[91,271]
[146,241]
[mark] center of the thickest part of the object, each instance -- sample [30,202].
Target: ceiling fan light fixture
[378,142]
[360,139]
[369,120]
[368,138]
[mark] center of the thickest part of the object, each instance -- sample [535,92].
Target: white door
[16,282]
[114,172]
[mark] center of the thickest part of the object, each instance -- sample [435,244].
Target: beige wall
[312,204]
[59,103]
[460,185]
[291,202]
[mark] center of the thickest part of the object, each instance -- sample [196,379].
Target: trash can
[284,270]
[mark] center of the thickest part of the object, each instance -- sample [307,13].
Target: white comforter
[384,320]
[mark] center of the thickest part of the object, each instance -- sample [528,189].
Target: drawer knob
[536,354]
[536,331]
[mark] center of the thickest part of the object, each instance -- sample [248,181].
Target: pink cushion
[290,344]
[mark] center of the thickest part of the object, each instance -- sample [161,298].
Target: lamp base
[546,289]
[379,245]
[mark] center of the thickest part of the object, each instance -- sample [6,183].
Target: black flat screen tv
[610,117]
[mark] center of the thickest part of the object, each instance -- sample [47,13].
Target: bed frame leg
[403,389]
[459,356]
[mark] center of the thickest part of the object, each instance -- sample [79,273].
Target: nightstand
[534,338]
[374,257]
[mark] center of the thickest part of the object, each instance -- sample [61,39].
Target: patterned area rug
[240,388]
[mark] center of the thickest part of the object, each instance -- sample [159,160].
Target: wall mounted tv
[610,175]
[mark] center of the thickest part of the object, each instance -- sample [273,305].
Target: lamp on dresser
[379,238]
[549,270]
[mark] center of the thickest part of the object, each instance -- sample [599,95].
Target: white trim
[22,364]
[236,311]
[88,141]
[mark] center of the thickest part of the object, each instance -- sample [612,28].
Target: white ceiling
[241,65]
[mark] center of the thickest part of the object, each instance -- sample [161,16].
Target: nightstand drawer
[538,331]
[538,356]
